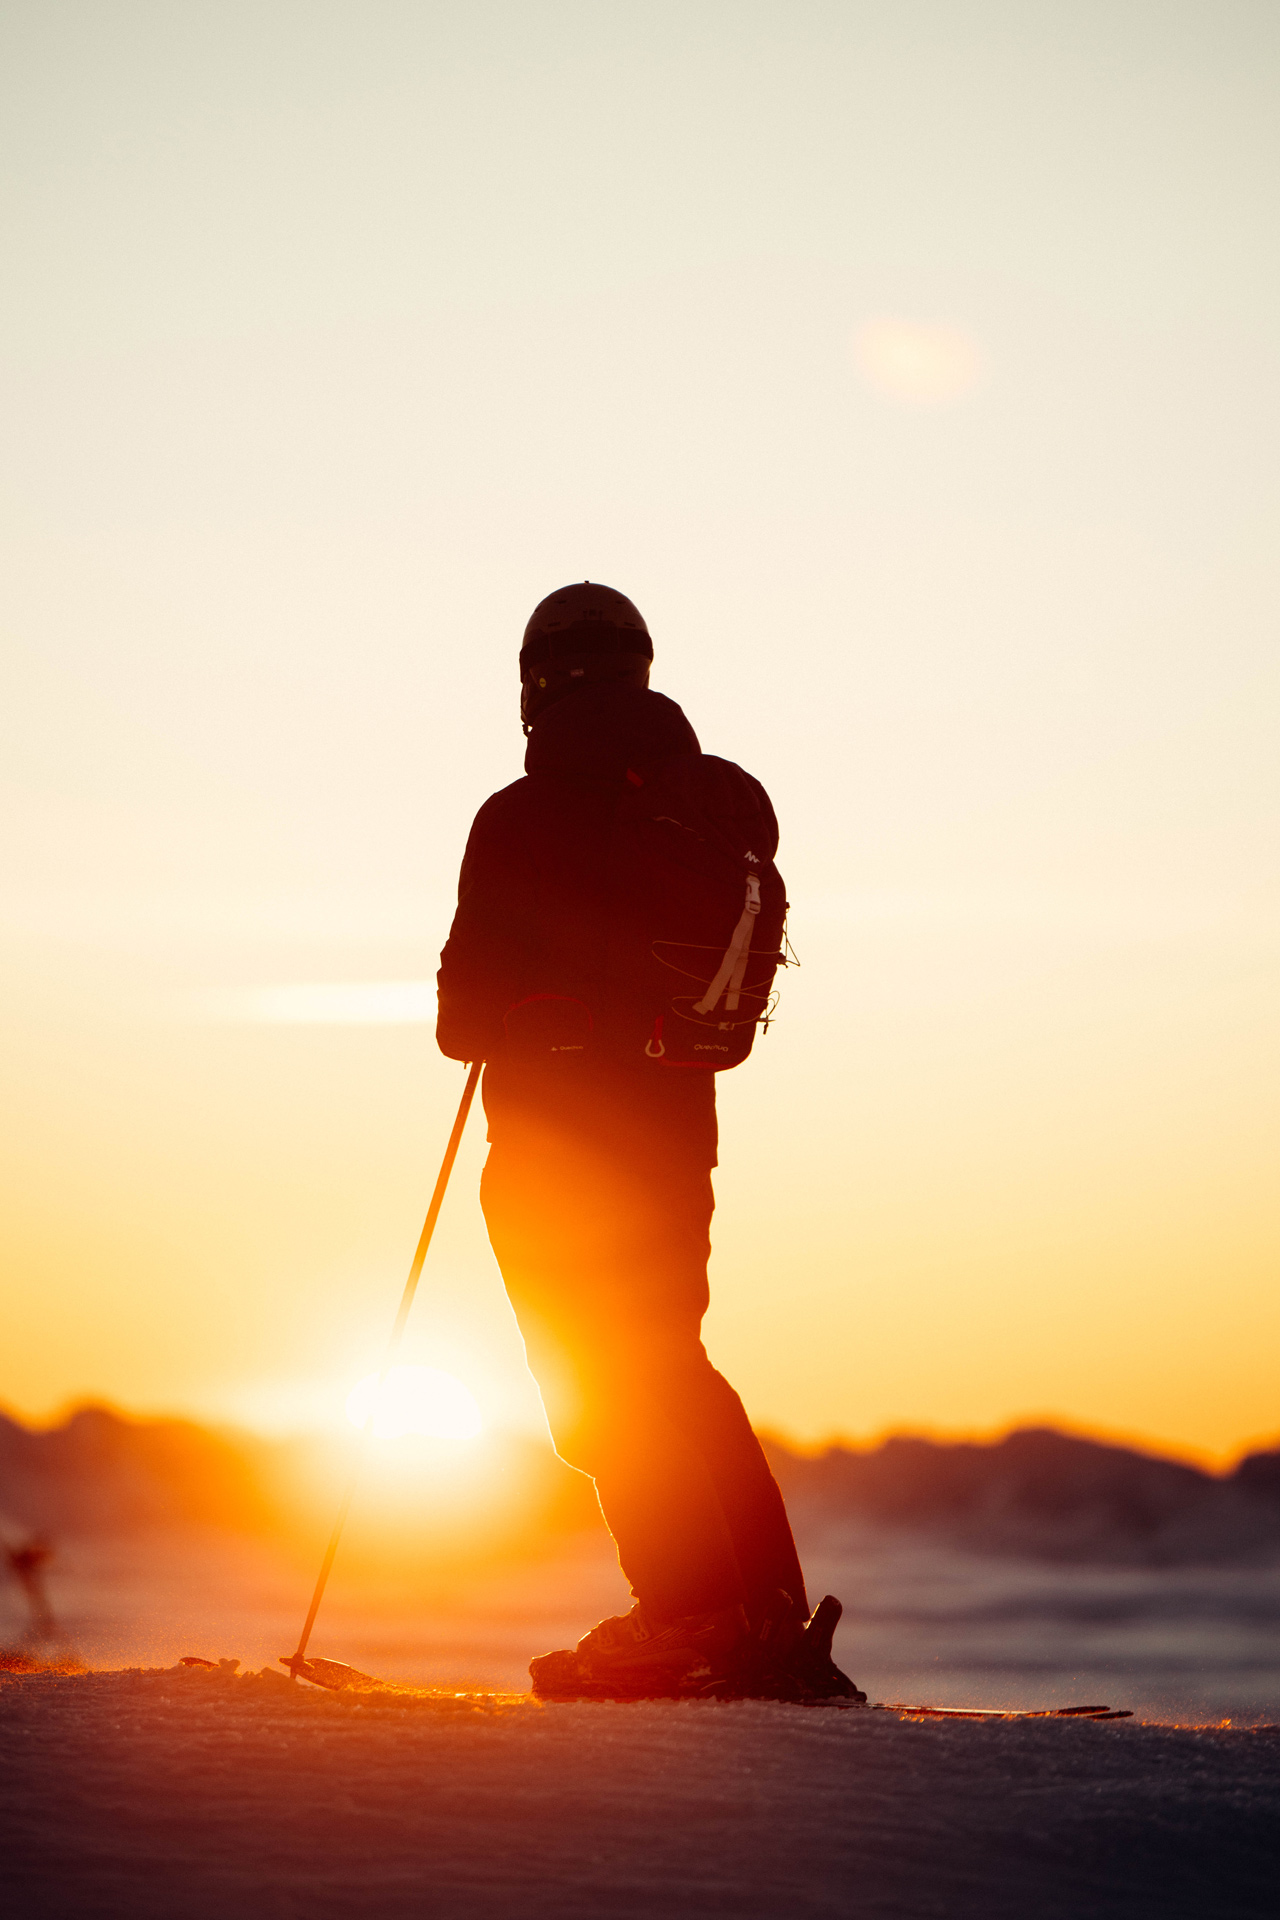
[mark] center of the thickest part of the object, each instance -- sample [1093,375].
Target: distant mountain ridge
[1036,1493]
[1039,1494]
[102,1473]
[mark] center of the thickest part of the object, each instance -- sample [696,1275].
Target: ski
[1006,1713]
[336,1677]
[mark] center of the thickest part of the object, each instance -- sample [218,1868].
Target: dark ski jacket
[531,904]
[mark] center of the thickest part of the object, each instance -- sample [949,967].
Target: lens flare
[923,365]
[415,1400]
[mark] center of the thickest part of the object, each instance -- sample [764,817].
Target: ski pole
[298,1659]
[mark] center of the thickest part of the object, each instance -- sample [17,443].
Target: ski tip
[1006,1713]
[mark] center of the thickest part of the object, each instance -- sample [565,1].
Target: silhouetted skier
[599,962]
[27,1564]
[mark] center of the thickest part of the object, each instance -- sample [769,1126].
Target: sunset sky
[916,369]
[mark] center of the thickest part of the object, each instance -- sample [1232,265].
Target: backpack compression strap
[733,967]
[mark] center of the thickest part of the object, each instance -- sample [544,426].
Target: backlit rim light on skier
[416,1400]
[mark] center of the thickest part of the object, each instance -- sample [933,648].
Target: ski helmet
[578,637]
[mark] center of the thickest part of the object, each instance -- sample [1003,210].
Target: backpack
[693,925]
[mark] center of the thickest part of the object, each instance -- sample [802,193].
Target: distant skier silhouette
[43,1647]
[27,1564]
[618,923]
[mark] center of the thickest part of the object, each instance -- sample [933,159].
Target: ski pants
[605,1265]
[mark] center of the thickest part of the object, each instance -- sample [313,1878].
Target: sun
[416,1400]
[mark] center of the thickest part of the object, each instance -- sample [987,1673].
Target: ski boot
[811,1664]
[632,1656]
[788,1658]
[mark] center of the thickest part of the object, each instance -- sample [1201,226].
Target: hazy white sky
[334,336]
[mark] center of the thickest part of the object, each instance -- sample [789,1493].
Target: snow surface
[206,1795]
[923,1621]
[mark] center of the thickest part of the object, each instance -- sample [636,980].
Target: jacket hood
[598,733]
